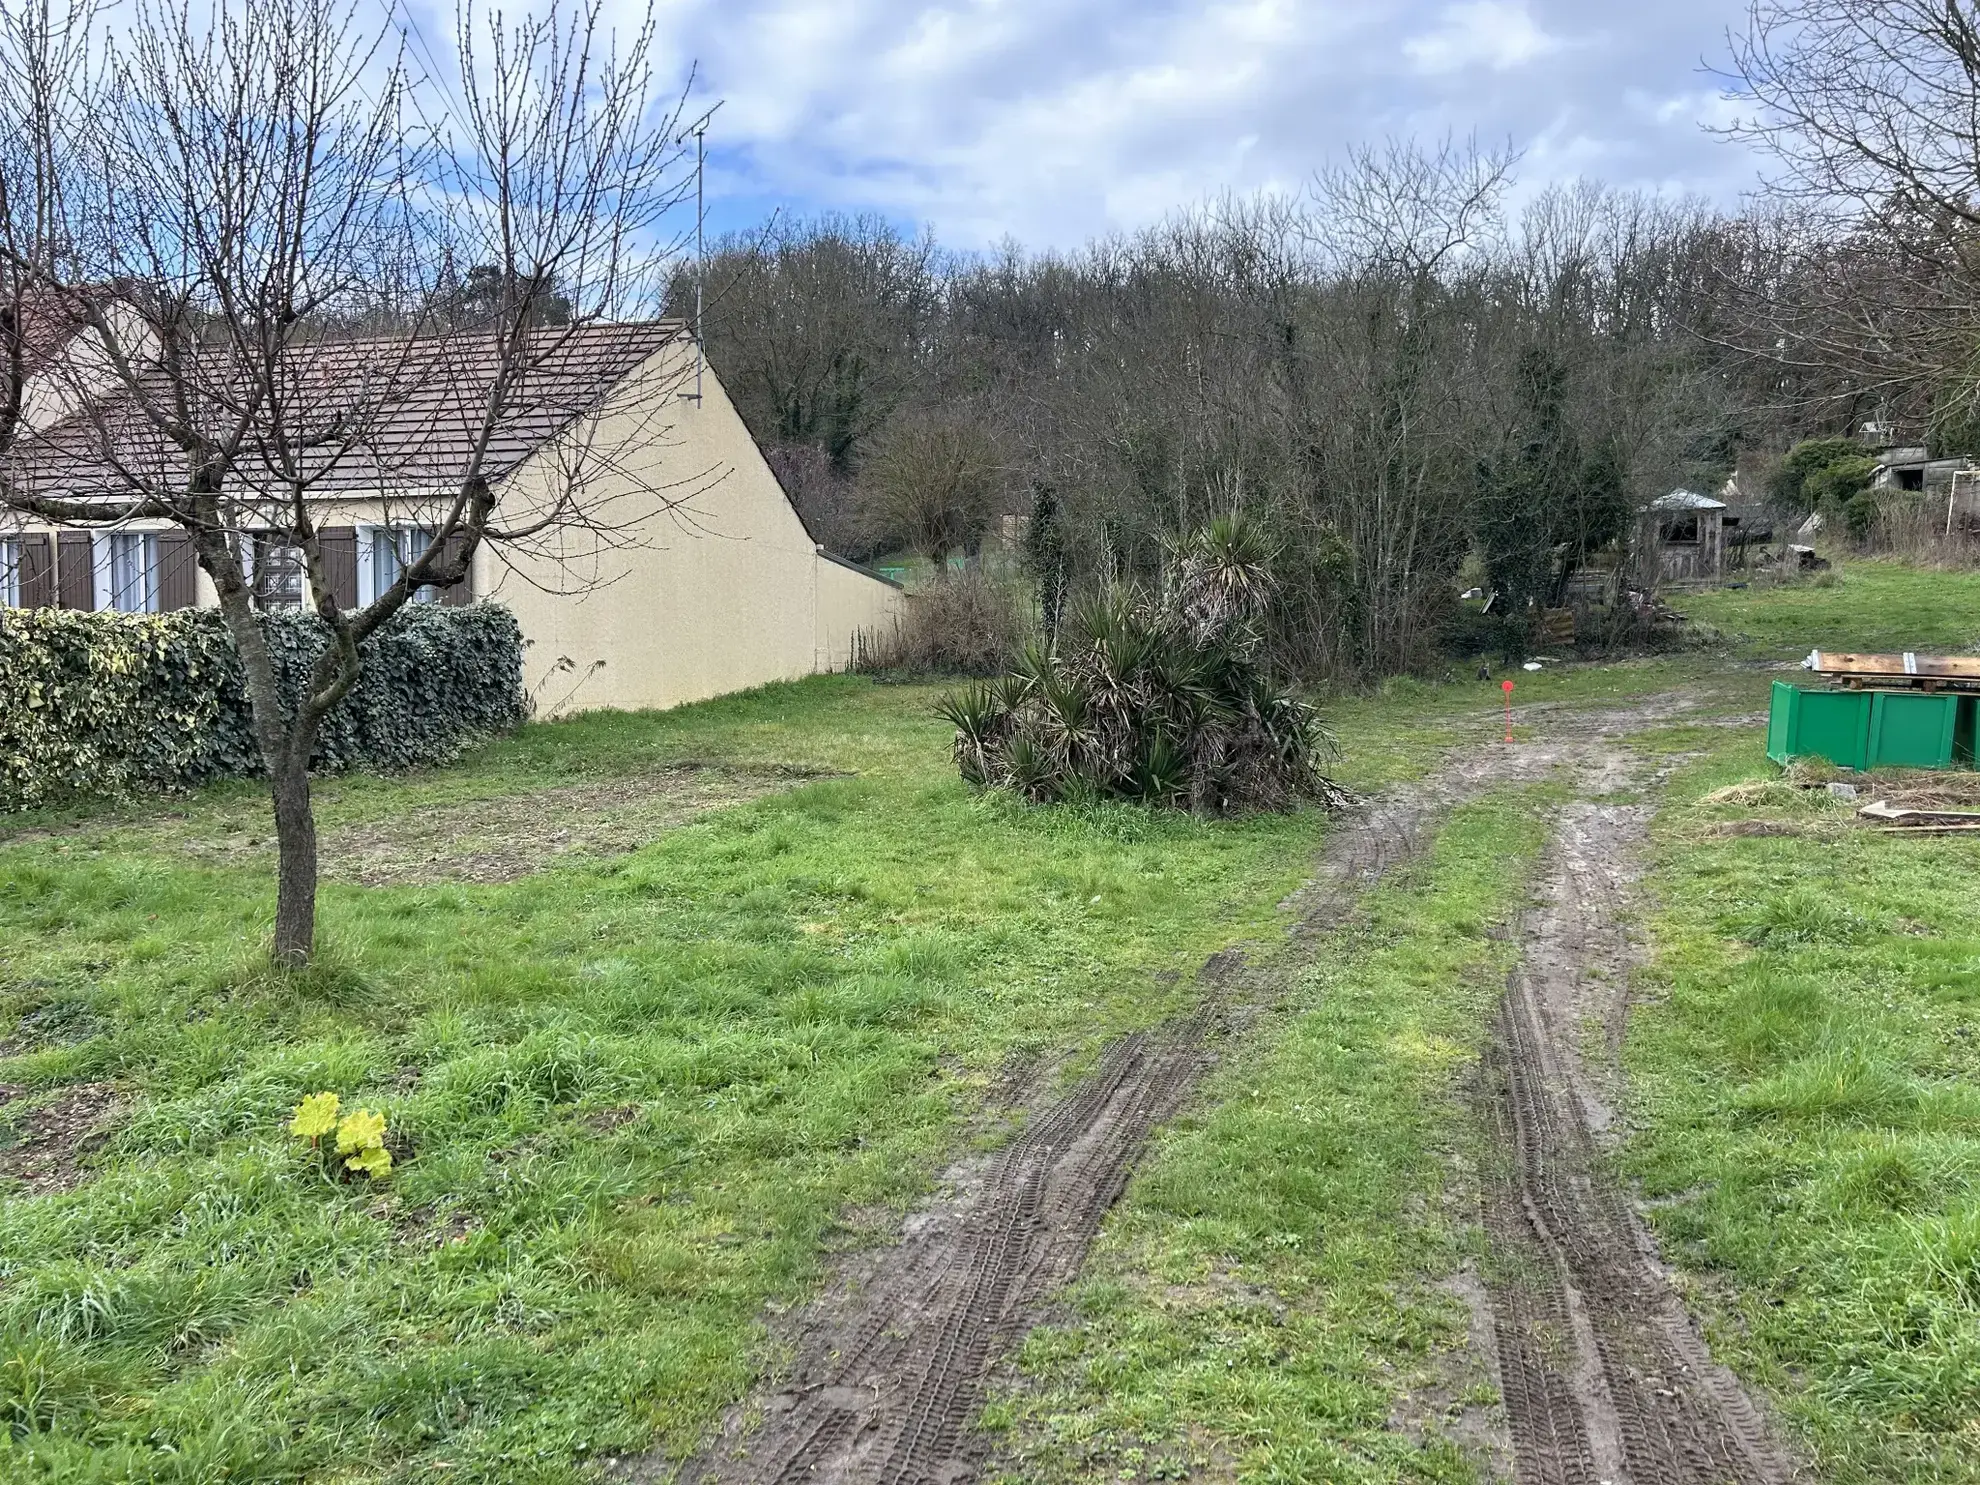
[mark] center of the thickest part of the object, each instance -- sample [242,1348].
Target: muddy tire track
[1606,1378]
[890,1363]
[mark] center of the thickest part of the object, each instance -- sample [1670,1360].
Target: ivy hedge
[106,703]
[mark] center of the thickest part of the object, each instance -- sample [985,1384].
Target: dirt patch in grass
[42,1146]
[508,836]
[1605,1374]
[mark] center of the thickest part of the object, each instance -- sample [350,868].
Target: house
[1681,538]
[1914,469]
[689,575]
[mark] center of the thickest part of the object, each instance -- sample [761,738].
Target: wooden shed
[1681,538]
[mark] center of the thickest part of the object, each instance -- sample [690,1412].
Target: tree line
[1395,370]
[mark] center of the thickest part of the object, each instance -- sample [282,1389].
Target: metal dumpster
[1919,729]
[1820,724]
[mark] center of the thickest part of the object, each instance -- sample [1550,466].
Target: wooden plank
[1879,810]
[1849,663]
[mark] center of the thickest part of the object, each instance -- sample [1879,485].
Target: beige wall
[855,612]
[707,582]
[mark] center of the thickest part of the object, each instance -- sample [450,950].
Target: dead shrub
[965,623]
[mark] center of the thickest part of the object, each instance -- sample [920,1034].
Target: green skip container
[1919,729]
[1871,729]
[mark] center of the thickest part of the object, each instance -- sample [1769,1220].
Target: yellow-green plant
[360,1134]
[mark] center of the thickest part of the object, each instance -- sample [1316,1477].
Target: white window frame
[10,572]
[251,545]
[103,575]
[371,583]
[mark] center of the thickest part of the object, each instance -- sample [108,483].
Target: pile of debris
[1792,558]
[1894,819]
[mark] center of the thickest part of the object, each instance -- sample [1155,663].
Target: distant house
[695,577]
[1913,469]
[1681,538]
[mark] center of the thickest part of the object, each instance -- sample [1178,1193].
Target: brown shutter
[337,546]
[178,584]
[75,571]
[463,591]
[37,573]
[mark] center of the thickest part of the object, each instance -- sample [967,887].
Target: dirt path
[890,1361]
[1605,1376]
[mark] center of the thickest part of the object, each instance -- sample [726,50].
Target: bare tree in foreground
[286,216]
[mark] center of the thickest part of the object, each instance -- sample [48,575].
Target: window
[126,565]
[1911,479]
[1680,531]
[277,573]
[384,553]
[10,573]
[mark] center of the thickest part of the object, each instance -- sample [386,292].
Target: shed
[1681,538]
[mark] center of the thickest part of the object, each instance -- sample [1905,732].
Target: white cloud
[1053,120]
[1493,34]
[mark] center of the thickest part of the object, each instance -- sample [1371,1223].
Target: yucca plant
[1164,700]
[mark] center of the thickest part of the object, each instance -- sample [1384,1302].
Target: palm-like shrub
[1160,699]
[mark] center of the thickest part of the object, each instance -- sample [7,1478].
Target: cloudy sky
[1049,121]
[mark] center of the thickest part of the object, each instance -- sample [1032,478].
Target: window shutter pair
[337,546]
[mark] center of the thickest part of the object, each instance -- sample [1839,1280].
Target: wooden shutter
[463,591]
[337,546]
[178,581]
[75,570]
[37,574]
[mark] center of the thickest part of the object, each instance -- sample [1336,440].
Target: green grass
[1265,1295]
[639,1101]
[1806,1078]
[1880,607]
[634,1097]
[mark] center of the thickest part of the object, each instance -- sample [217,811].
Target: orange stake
[1506,686]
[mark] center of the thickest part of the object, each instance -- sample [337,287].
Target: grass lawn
[633,1097]
[638,1098]
[1807,1101]
[1272,1289]
[1806,1066]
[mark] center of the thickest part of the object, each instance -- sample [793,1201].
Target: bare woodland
[1395,368]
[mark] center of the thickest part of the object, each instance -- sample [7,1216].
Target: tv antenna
[699,129]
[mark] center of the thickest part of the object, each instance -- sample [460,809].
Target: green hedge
[101,703]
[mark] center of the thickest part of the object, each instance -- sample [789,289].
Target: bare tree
[267,213]
[818,328]
[933,485]
[1871,114]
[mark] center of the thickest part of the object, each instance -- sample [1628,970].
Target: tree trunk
[295,841]
[285,744]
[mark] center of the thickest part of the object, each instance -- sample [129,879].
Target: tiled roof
[44,328]
[401,413]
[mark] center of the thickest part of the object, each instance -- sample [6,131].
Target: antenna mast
[700,251]
[699,129]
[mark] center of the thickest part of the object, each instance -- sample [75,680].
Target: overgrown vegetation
[962,623]
[109,703]
[1164,700]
